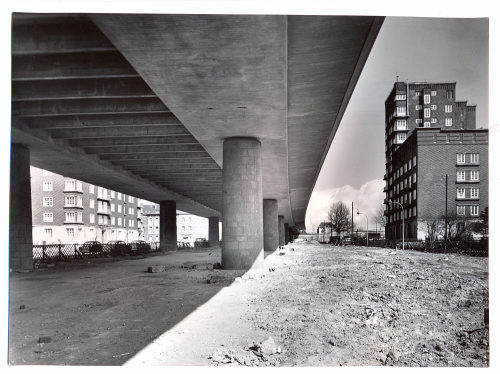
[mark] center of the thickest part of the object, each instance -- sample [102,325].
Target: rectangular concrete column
[168,226]
[213,231]
[281,227]
[287,234]
[21,228]
[270,221]
[242,231]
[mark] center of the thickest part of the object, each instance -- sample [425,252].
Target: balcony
[77,205]
[103,210]
[104,197]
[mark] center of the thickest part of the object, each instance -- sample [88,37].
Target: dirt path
[311,306]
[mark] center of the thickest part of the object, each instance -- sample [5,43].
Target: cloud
[367,200]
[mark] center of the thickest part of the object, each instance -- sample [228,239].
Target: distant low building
[189,227]
[436,161]
[66,210]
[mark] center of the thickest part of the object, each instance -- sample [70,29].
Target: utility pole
[446,213]
[352,219]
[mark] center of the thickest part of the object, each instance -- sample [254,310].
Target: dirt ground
[312,305]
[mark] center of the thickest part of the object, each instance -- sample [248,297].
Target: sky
[415,49]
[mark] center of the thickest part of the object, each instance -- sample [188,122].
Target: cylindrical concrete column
[213,231]
[287,234]
[168,226]
[242,231]
[270,222]
[281,228]
[20,229]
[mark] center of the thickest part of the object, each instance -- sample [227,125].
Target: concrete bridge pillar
[270,219]
[287,234]
[242,218]
[213,231]
[168,226]
[20,228]
[281,228]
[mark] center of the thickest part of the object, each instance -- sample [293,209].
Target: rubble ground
[312,305]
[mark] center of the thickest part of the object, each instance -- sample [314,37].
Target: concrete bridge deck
[144,104]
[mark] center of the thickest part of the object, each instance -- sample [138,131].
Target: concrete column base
[213,231]
[281,228]
[270,219]
[242,231]
[168,226]
[21,228]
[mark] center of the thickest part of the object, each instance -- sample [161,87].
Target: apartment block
[67,210]
[436,159]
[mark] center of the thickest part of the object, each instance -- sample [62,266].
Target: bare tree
[434,230]
[339,216]
[380,218]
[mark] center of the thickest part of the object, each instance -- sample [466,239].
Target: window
[427,99]
[414,161]
[130,199]
[91,218]
[433,93]
[474,158]
[130,210]
[46,172]
[48,217]
[112,193]
[448,108]
[401,124]
[119,208]
[47,186]
[405,168]
[119,195]
[112,207]
[69,185]
[474,175]
[401,137]
[449,94]
[461,210]
[400,97]
[401,110]
[474,210]
[119,221]
[48,201]
[460,193]
[427,112]
[448,121]
[474,193]
[417,93]
[70,217]
[460,158]
[414,194]
[433,120]
[418,107]
[48,233]
[433,107]
[418,121]
[427,124]
[92,203]
[112,220]
[131,223]
[70,231]
[460,175]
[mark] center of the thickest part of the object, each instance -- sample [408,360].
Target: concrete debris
[268,347]
[156,268]
[44,339]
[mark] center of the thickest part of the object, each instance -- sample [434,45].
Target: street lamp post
[358,213]
[403,214]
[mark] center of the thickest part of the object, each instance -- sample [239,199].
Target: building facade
[436,161]
[66,210]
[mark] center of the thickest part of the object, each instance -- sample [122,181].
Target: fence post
[60,254]
[43,252]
